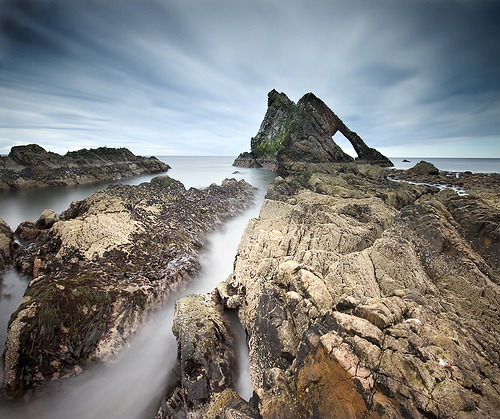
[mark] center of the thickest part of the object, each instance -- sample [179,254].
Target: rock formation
[6,244]
[484,185]
[100,269]
[303,131]
[364,297]
[31,166]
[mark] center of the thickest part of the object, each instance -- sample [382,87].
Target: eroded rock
[206,352]
[100,270]
[6,244]
[302,132]
[363,297]
[31,166]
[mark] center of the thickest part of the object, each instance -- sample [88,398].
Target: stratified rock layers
[302,132]
[100,270]
[363,297]
[31,166]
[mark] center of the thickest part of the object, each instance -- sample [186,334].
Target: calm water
[133,386]
[452,165]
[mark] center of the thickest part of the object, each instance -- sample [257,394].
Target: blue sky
[191,77]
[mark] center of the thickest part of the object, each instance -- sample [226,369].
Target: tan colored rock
[392,302]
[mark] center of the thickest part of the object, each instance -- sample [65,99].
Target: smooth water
[134,384]
[476,165]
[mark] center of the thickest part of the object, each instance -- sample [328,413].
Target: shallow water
[134,384]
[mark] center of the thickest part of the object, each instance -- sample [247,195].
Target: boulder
[47,219]
[206,354]
[424,168]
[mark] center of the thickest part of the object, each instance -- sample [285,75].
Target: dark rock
[406,161]
[424,168]
[27,231]
[206,354]
[31,166]
[302,132]
[102,269]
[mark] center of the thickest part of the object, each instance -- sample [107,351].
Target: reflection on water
[134,384]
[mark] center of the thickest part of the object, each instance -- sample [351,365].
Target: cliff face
[363,297]
[31,166]
[302,131]
[102,268]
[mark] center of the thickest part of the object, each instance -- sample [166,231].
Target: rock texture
[485,185]
[364,297]
[100,269]
[31,166]
[206,352]
[6,244]
[303,131]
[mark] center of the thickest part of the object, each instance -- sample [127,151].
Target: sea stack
[302,132]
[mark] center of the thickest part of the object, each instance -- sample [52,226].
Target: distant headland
[31,166]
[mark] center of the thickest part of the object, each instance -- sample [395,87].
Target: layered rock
[100,270]
[363,297]
[32,166]
[302,131]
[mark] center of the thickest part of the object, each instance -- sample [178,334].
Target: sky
[191,77]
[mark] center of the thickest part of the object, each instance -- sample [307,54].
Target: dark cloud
[191,76]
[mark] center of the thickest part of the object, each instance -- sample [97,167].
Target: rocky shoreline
[360,297]
[31,166]
[101,268]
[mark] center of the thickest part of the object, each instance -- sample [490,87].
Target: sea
[133,385]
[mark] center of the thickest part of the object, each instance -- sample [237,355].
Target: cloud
[191,76]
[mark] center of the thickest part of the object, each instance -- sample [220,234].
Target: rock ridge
[31,166]
[302,132]
[100,269]
[365,297]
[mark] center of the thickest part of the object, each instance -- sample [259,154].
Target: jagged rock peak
[302,132]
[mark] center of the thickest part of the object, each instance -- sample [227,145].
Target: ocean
[476,165]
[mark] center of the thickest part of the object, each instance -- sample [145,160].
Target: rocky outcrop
[364,297]
[483,185]
[6,244]
[206,351]
[100,270]
[31,166]
[302,132]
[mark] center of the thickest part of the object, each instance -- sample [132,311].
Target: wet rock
[206,356]
[302,132]
[31,166]
[6,244]
[98,273]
